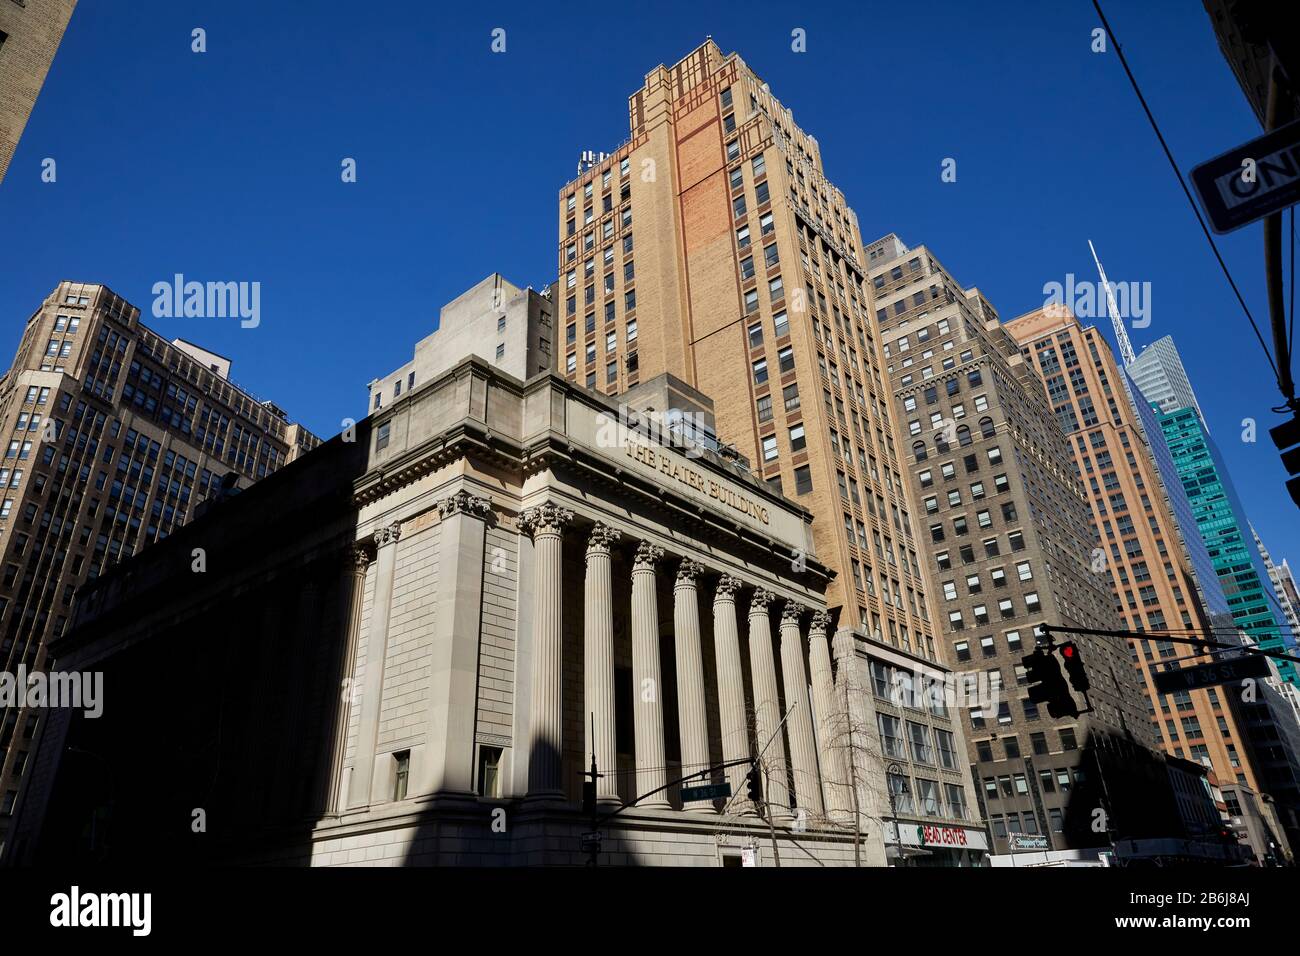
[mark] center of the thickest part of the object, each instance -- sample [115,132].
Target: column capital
[602,536]
[791,612]
[464,503]
[821,621]
[544,517]
[388,534]
[688,571]
[360,557]
[647,555]
[728,586]
[759,603]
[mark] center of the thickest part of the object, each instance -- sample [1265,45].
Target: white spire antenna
[1121,334]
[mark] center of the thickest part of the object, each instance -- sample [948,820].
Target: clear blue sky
[225,166]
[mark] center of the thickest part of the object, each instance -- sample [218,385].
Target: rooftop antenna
[1121,334]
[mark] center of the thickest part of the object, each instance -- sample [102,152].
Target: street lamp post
[892,770]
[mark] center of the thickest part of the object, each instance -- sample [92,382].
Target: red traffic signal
[1074,667]
[1046,685]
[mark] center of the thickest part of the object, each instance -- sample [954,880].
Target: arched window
[986,427]
[963,435]
[940,440]
[918,449]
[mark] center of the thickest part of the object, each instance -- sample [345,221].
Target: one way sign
[1251,181]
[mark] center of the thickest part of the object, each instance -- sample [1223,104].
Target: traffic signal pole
[1157,636]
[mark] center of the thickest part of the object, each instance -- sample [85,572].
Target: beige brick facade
[30,33]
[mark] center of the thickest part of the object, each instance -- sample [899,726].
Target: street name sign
[711,792]
[1251,181]
[1027,841]
[1216,672]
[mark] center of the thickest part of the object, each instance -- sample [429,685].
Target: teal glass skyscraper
[1223,527]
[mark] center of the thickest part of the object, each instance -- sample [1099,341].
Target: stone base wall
[484,834]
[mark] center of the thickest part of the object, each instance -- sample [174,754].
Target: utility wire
[1186,192]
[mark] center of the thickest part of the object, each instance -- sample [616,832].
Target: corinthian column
[598,661]
[731,689]
[546,741]
[767,705]
[691,719]
[648,709]
[803,745]
[834,772]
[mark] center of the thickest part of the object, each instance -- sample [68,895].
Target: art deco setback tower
[1152,574]
[30,34]
[143,431]
[1008,540]
[711,245]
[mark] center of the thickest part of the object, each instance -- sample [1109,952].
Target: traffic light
[1074,667]
[754,785]
[589,797]
[1046,685]
[1287,438]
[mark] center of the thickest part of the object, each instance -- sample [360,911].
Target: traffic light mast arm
[672,783]
[1155,636]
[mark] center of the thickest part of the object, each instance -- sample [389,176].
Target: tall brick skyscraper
[711,246]
[143,431]
[1008,536]
[30,34]
[1160,573]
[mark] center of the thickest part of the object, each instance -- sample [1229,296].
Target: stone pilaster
[598,662]
[355,590]
[447,763]
[372,687]
[546,524]
[647,683]
[799,728]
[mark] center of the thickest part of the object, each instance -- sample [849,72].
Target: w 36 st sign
[1217,672]
[1251,181]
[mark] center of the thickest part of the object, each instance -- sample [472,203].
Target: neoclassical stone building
[408,648]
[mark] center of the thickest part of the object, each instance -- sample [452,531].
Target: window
[947,750]
[782,324]
[769,448]
[401,773]
[760,371]
[381,437]
[890,735]
[765,408]
[756,335]
[489,771]
[802,480]
[797,440]
[918,736]
[786,359]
